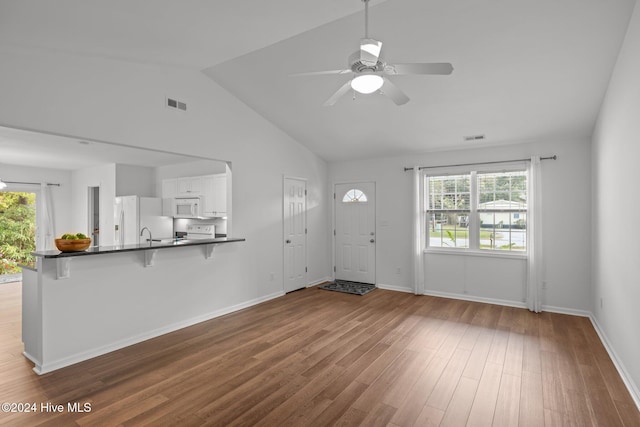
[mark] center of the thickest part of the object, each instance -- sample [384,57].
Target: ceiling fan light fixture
[367,83]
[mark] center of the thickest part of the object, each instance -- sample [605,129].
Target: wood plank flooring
[314,358]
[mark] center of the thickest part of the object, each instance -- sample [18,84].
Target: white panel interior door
[355,221]
[295,234]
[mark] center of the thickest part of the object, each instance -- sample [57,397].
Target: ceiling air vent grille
[474,138]
[174,103]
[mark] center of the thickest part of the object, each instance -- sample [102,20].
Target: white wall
[616,252]
[61,196]
[566,192]
[101,99]
[135,181]
[186,169]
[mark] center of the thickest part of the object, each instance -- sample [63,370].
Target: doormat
[345,286]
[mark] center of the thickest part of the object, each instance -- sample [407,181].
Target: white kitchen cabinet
[220,194]
[214,195]
[211,188]
[169,191]
[169,188]
[190,186]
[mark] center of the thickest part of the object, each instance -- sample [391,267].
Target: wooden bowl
[77,245]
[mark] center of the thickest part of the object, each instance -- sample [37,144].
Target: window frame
[474,228]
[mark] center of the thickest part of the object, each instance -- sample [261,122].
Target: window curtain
[418,232]
[47,233]
[534,237]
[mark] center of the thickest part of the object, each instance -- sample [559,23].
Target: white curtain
[47,233]
[534,237]
[418,232]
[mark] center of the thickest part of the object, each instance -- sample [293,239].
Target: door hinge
[305,192]
[334,231]
[305,231]
[306,269]
[334,196]
[334,268]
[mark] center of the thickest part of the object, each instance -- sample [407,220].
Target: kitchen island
[79,305]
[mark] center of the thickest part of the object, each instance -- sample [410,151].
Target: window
[477,210]
[448,211]
[502,210]
[354,196]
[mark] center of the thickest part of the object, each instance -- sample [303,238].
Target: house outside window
[482,211]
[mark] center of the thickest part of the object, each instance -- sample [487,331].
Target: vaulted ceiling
[523,70]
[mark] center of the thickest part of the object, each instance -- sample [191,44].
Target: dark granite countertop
[100,250]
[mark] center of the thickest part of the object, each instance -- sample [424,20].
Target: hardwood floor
[315,357]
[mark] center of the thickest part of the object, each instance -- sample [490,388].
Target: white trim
[319,281]
[564,310]
[395,288]
[85,355]
[495,301]
[632,387]
[478,252]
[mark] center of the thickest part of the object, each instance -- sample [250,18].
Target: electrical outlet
[398,270]
[272,276]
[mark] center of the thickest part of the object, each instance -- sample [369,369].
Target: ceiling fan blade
[370,51]
[392,91]
[319,73]
[344,89]
[419,68]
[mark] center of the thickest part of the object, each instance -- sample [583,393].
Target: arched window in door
[354,196]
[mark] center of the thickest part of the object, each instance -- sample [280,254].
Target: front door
[355,217]
[295,234]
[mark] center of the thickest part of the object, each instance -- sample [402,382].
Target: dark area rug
[345,286]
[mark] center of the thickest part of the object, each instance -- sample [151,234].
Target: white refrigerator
[133,213]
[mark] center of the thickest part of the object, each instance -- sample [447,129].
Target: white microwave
[187,207]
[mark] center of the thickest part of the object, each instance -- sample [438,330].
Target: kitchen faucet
[142,232]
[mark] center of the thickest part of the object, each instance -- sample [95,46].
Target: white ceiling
[34,149]
[523,70]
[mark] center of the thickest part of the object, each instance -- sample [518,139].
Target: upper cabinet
[212,189]
[190,186]
[215,195]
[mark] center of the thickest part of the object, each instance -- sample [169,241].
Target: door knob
[372,241]
[288,241]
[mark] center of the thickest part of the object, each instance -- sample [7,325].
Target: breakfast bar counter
[79,305]
[152,245]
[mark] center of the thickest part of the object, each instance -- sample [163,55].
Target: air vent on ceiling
[474,138]
[173,103]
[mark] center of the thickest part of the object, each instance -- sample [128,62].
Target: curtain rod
[29,183]
[554,157]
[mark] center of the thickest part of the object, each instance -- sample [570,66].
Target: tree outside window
[17,230]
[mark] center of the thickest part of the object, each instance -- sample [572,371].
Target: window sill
[471,252]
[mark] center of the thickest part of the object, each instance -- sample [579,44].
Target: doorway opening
[94,215]
[17,233]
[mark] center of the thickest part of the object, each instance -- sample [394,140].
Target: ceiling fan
[369,70]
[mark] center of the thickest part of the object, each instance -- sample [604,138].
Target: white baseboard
[563,310]
[486,300]
[317,282]
[395,288]
[43,368]
[624,374]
